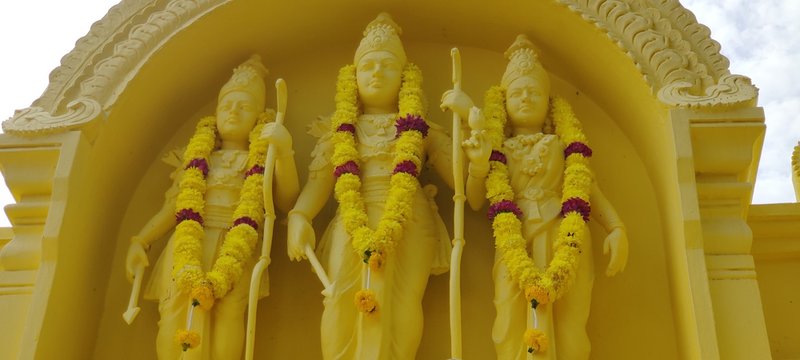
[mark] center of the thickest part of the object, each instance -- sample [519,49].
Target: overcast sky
[761,39]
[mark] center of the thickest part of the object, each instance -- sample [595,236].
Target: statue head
[526,84]
[241,100]
[379,62]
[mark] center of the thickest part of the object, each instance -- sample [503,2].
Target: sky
[760,38]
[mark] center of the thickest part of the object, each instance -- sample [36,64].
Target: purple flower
[247,221]
[406,166]
[578,147]
[347,127]
[498,156]
[576,204]
[504,206]
[349,167]
[256,169]
[200,164]
[411,122]
[188,214]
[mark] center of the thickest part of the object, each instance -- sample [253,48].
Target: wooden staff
[269,222]
[458,220]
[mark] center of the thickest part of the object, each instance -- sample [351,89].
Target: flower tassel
[187,338]
[535,339]
[365,300]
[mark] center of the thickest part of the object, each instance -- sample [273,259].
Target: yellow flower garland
[374,245]
[240,240]
[408,147]
[540,287]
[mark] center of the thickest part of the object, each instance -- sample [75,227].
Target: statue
[539,185]
[386,239]
[217,201]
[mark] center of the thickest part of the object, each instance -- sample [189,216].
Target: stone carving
[675,54]
[36,121]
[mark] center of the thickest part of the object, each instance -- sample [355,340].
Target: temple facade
[676,142]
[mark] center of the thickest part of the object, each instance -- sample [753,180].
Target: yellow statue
[530,149]
[386,238]
[218,204]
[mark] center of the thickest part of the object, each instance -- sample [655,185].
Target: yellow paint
[85,169]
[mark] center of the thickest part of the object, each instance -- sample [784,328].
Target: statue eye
[366,66]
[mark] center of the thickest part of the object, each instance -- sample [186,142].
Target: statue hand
[617,243]
[278,135]
[137,256]
[300,234]
[478,149]
[456,101]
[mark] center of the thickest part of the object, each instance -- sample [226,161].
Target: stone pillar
[726,147]
[30,168]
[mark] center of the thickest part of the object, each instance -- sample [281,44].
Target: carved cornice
[121,42]
[672,50]
[78,62]
[35,120]
[675,54]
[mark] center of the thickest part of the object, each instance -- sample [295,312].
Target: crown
[382,34]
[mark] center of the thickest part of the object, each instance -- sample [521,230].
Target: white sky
[761,38]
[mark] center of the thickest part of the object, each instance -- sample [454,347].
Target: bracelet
[478,173]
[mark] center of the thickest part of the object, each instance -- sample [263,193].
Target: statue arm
[312,198]
[287,184]
[155,228]
[616,242]
[440,154]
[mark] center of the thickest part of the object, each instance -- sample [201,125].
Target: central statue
[386,237]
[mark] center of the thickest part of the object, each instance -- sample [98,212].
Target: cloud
[762,41]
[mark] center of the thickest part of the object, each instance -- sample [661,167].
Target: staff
[269,222]
[458,220]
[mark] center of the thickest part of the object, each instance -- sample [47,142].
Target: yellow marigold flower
[204,296]
[536,341]
[187,339]
[376,260]
[366,303]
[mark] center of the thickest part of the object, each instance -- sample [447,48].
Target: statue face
[236,116]
[379,75]
[527,100]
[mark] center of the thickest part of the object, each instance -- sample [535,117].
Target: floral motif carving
[673,51]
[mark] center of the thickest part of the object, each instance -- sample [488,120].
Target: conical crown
[382,34]
[523,60]
[248,78]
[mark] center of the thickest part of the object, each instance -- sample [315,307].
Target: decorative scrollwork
[36,121]
[672,50]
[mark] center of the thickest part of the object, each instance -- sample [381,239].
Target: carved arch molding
[674,53]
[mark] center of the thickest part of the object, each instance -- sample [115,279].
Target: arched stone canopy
[135,84]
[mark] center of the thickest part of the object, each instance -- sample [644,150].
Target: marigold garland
[241,238]
[540,287]
[374,245]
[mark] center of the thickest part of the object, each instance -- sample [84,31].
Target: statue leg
[172,309]
[572,312]
[409,268]
[511,319]
[338,324]
[228,329]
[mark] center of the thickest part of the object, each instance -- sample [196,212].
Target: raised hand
[456,101]
[278,135]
